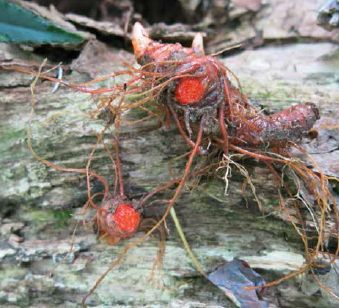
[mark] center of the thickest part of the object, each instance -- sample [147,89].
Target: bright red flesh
[189,91]
[126,217]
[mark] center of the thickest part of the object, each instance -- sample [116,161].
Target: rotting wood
[28,185]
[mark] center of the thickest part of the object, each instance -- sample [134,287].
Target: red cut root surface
[189,91]
[126,218]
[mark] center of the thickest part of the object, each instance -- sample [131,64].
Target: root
[305,180]
[241,129]
[171,203]
[156,271]
[225,163]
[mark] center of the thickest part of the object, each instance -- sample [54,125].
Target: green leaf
[22,26]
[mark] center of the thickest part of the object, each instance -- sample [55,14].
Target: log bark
[39,205]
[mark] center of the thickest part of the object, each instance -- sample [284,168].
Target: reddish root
[316,183]
[171,203]
[223,128]
[118,170]
[146,225]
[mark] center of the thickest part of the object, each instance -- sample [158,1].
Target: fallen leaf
[23,23]
[236,278]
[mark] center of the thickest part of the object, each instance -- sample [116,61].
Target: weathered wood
[218,227]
